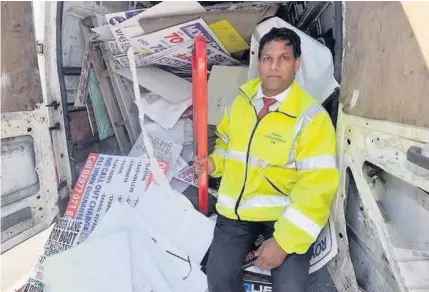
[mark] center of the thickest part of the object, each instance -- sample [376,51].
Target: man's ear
[297,64]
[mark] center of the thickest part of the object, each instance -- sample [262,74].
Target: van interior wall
[317,19]
[370,264]
[394,70]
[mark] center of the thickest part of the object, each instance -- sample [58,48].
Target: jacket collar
[291,106]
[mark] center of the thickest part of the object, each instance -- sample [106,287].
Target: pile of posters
[103,180]
[170,47]
[122,181]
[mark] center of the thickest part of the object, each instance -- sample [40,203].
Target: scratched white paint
[5,80]
[45,33]
[355,98]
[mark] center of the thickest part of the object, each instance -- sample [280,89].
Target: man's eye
[285,58]
[266,58]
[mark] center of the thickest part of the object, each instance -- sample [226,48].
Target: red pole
[200,114]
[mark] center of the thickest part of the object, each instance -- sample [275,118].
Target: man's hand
[200,165]
[270,255]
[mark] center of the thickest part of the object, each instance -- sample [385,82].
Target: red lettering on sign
[79,189]
[184,57]
[174,38]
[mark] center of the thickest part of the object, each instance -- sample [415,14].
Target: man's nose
[275,64]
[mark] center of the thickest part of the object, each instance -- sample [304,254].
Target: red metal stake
[200,114]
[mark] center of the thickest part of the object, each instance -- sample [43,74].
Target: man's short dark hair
[286,35]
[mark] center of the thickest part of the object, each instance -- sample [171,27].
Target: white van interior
[46,139]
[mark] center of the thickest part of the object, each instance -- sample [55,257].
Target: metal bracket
[39,48]
[61,185]
[57,126]
[55,104]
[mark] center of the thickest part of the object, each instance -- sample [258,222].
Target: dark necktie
[266,108]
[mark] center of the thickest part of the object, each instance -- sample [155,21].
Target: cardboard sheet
[86,268]
[167,85]
[223,86]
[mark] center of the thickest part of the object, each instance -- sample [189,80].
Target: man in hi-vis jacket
[276,155]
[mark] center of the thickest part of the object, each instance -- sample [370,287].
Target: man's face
[277,66]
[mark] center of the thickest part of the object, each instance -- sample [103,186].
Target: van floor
[320,281]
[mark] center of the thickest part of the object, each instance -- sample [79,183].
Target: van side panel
[20,80]
[386,58]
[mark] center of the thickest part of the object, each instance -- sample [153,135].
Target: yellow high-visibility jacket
[280,168]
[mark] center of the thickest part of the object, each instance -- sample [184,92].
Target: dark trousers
[232,241]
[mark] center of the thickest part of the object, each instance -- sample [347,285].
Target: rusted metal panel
[20,81]
[386,57]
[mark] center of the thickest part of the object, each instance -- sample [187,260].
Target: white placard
[176,134]
[89,265]
[164,150]
[161,111]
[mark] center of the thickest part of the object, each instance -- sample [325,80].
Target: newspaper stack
[170,48]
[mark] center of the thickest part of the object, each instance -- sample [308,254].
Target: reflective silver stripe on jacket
[308,115]
[219,152]
[259,201]
[226,201]
[265,201]
[302,221]
[241,156]
[323,161]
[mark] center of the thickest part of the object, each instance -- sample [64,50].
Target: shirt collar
[281,97]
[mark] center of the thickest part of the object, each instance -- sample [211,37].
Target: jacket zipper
[248,150]
[247,161]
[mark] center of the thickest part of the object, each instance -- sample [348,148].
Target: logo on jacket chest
[275,138]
